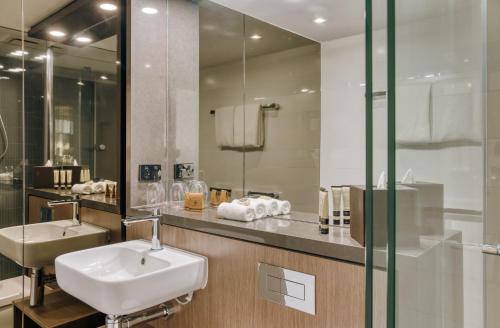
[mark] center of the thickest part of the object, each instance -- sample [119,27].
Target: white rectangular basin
[123,278]
[37,245]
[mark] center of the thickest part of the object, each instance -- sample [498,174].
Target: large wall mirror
[259,112]
[60,119]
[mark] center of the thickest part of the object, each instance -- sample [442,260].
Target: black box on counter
[43,176]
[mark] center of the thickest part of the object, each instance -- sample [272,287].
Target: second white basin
[37,245]
[127,277]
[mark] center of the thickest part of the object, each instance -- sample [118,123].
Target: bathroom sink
[126,277]
[43,242]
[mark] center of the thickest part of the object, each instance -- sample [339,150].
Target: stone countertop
[94,201]
[297,231]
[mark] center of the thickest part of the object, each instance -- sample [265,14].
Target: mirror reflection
[59,140]
[259,113]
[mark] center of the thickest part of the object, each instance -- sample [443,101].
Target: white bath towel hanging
[413,120]
[456,111]
[248,126]
[224,126]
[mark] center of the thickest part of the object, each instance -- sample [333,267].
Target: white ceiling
[222,32]
[34,11]
[344,17]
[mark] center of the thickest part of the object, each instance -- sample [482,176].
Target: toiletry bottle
[56,178]
[62,178]
[323,211]
[346,205]
[337,201]
[69,178]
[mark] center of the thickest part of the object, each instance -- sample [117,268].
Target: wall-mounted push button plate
[149,172]
[290,288]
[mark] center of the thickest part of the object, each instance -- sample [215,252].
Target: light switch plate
[149,172]
[184,171]
[289,288]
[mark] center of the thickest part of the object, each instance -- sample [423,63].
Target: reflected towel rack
[263,107]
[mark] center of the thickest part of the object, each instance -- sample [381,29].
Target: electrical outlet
[149,172]
[184,171]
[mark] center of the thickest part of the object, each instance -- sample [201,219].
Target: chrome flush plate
[290,288]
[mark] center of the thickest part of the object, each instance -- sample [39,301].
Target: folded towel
[224,126]
[248,126]
[259,207]
[98,187]
[85,189]
[234,211]
[456,111]
[284,206]
[271,204]
[413,119]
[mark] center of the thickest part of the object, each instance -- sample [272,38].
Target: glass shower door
[441,258]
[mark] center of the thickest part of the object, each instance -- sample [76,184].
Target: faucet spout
[77,204]
[155,220]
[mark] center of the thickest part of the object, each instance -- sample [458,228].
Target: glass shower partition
[12,155]
[441,126]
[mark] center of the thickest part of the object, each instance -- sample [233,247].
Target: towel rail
[263,107]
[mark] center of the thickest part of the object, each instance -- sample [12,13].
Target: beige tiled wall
[289,162]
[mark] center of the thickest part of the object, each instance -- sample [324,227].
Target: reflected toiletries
[337,201]
[346,205]
[323,211]
[69,178]
[62,179]
[56,178]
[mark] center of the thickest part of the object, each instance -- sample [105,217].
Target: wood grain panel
[103,219]
[63,212]
[230,298]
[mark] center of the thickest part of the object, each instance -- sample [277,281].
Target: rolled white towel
[84,189]
[234,211]
[270,203]
[98,187]
[284,206]
[259,207]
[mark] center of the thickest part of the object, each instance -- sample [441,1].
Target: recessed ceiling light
[83,39]
[304,90]
[147,65]
[256,37]
[40,57]
[57,34]
[319,20]
[104,77]
[1,66]
[19,53]
[108,6]
[80,83]
[4,78]
[16,70]
[149,10]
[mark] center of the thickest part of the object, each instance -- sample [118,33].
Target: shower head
[5,138]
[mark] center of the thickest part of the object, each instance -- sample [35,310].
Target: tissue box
[43,177]
[407,216]
[430,207]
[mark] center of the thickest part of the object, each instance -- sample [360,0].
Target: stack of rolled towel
[90,187]
[249,209]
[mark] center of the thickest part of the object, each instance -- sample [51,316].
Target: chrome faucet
[154,217]
[77,204]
